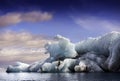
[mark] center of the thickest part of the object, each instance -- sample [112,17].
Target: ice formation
[99,54]
[18,67]
[107,45]
[90,63]
[67,65]
[61,49]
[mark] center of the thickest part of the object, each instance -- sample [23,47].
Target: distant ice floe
[99,54]
[18,67]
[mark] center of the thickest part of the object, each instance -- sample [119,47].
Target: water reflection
[60,77]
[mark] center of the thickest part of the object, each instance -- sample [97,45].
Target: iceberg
[100,54]
[18,67]
[61,49]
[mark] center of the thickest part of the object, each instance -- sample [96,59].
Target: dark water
[60,77]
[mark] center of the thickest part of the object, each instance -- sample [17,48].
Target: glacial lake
[59,76]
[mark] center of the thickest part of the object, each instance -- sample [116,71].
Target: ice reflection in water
[60,77]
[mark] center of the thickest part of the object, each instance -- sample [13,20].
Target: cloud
[17,17]
[92,23]
[26,39]
[22,46]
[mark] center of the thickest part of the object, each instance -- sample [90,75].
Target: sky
[26,25]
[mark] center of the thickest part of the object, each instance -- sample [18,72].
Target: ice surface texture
[101,54]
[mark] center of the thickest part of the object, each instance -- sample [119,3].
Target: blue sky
[66,15]
[63,26]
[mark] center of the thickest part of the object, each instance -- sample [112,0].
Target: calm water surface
[59,76]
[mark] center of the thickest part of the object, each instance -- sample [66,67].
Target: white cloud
[22,46]
[26,39]
[92,23]
[17,17]
[21,51]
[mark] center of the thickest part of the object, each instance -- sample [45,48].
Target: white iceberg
[61,49]
[91,55]
[18,67]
